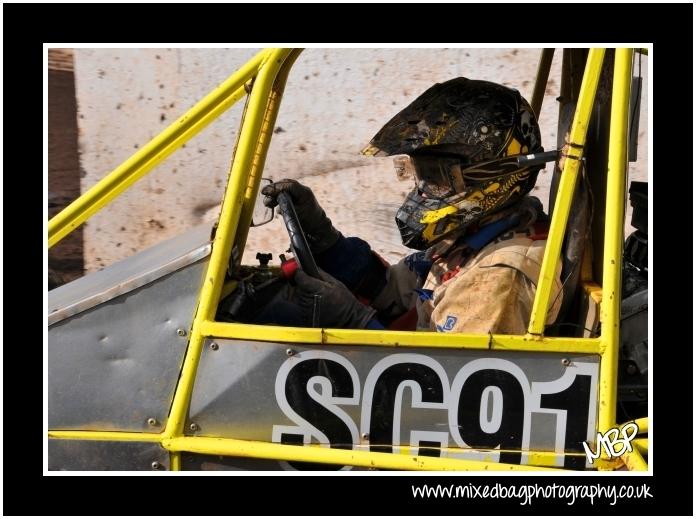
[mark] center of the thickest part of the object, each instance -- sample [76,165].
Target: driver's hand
[327,303]
[316,225]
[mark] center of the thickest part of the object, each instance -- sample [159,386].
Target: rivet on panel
[565,362]
[194,427]
[156,465]
[289,352]
[152,421]
[365,436]
[181,332]
[214,346]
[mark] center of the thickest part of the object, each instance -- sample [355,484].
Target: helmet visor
[442,177]
[435,176]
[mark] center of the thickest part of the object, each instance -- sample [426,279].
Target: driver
[480,238]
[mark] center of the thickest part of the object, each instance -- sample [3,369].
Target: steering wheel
[298,241]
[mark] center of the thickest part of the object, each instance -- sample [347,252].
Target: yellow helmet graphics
[466,141]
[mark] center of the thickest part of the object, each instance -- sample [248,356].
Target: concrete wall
[335,101]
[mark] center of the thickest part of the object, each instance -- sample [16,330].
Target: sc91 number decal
[489,405]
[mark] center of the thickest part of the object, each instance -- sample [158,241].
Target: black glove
[316,225]
[328,303]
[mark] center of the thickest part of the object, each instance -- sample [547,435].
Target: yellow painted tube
[227,227]
[535,458]
[174,461]
[634,461]
[237,184]
[613,237]
[642,444]
[356,458]
[603,465]
[564,198]
[393,339]
[546,459]
[261,151]
[160,147]
[107,436]
[642,424]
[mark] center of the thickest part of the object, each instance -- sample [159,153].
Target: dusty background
[335,101]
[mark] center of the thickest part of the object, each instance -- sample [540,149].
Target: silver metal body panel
[127,275]
[242,392]
[105,455]
[115,366]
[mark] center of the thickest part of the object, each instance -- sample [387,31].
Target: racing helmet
[462,141]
